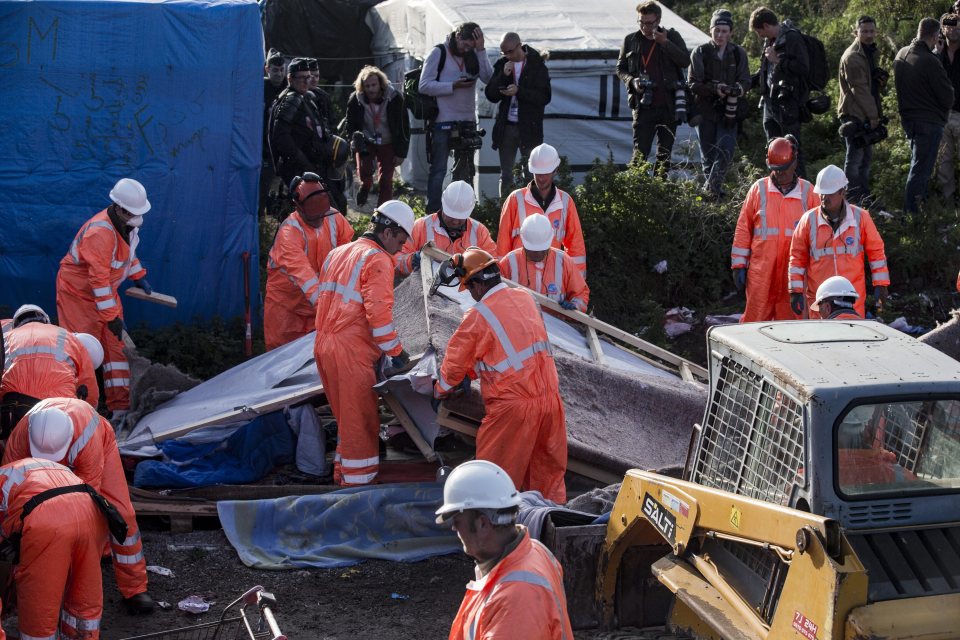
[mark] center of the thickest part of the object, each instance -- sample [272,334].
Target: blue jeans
[856,165]
[717,141]
[463,167]
[924,143]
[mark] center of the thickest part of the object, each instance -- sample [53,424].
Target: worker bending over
[543,196]
[302,243]
[68,431]
[102,255]
[451,229]
[541,268]
[836,299]
[518,590]
[503,338]
[354,331]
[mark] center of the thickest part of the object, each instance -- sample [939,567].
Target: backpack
[422,107]
[818,76]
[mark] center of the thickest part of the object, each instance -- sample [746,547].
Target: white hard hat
[93,347]
[29,312]
[543,159]
[397,212]
[130,194]
[834,287]
[458,200]
[477,484]
[51,432]
[830,180]
[536,232]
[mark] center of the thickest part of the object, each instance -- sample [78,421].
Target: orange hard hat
[470,263]
[781,152]
[310,195]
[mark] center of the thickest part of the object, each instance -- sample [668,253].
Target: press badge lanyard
[646,61]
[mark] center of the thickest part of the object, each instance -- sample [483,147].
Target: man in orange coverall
[518,591]
[59,586]
[354,332]
[102,255]
[830,241]
[543,196]
[541,268]
[503,338]
[761,244]
[45,361]
[68,431]
[293,268]
[451,229]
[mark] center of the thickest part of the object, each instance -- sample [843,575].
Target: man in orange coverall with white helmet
[58,579]
[102,255]
[69,431]
[354,332]
[503,338]
[293,268]
[761,243]
[451,229]
[518,591]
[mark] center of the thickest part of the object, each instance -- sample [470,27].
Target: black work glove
[435,404]
[740,279]
[116,327]
[796,303]
[464,387]
[880,293]
[82,392]
[397,364]
[143,284]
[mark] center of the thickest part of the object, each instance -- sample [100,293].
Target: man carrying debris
[830,241]
[541,268]
[761,243]
[503,340]
[355,332]
[836,299]
[102,255]
[451,229]
[518,591]
[543,196]
[293,268]
[69,431]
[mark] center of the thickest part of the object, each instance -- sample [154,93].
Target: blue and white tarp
[167,92]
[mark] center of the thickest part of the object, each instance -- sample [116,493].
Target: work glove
[464,387]
[569,306]
[415,261]
[397,364]
[796,303]
[116,327]
[880,293]
[82,392]
[740,279]
[143,284]
[434,400]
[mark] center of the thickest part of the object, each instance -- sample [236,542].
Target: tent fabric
[246,456]
[339,529]
[167,92]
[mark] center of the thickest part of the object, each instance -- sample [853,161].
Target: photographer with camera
[950,144]
[450,73]
[859,109]
[378,128]
[651,64]
[784,67]
[718,76]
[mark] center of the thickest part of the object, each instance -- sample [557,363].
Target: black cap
[314,65]
[297,65]
[274,57]
[721,17]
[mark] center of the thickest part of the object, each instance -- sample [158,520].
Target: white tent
[588,116]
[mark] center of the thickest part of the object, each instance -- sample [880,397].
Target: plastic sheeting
[168,93]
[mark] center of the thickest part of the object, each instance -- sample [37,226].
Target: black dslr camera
[731,96]
[781,92]
[645,86]
[861,135]
[359,143]
[680,101]
[467,136]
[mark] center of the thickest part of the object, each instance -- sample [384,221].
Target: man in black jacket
[784,69]
[521,84]
[273,83]
[651,65]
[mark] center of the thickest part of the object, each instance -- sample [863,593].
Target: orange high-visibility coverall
[561,211]
[557,277]
[524,429]
[761,244]
[354,329]
[475,234]
[45,361]
[95,458]
[293,272]
[817,253]
[98,262]
[58,579]
[521,597]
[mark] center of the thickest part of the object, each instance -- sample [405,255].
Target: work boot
[139,603]
[362,196]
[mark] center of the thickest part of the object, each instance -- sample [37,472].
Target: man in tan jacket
[859,107]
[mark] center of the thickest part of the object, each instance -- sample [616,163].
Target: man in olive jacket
[651,64]
[521,84]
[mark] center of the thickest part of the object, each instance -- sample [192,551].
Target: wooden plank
[594,342]
[408,425]
[456,423]
[158,298]
[153,508]
[252,491]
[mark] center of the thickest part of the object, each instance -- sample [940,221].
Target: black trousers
[659,121]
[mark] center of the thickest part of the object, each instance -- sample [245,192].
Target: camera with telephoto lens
[782,91]
[467,137]
[645,87]
[861,135]
[680,101]
[359,143]
[731,96]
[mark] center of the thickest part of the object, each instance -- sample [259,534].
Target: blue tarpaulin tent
[169,93]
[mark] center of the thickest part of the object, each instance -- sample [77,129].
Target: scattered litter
[660,267]
[732,318]
[678,321]
[349,572]
[194,604]
[163,604]
[192,547]
[674,329]
[681,314]
[160,571]
[925,299]
[885,214]
[901,324]
[397,596]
